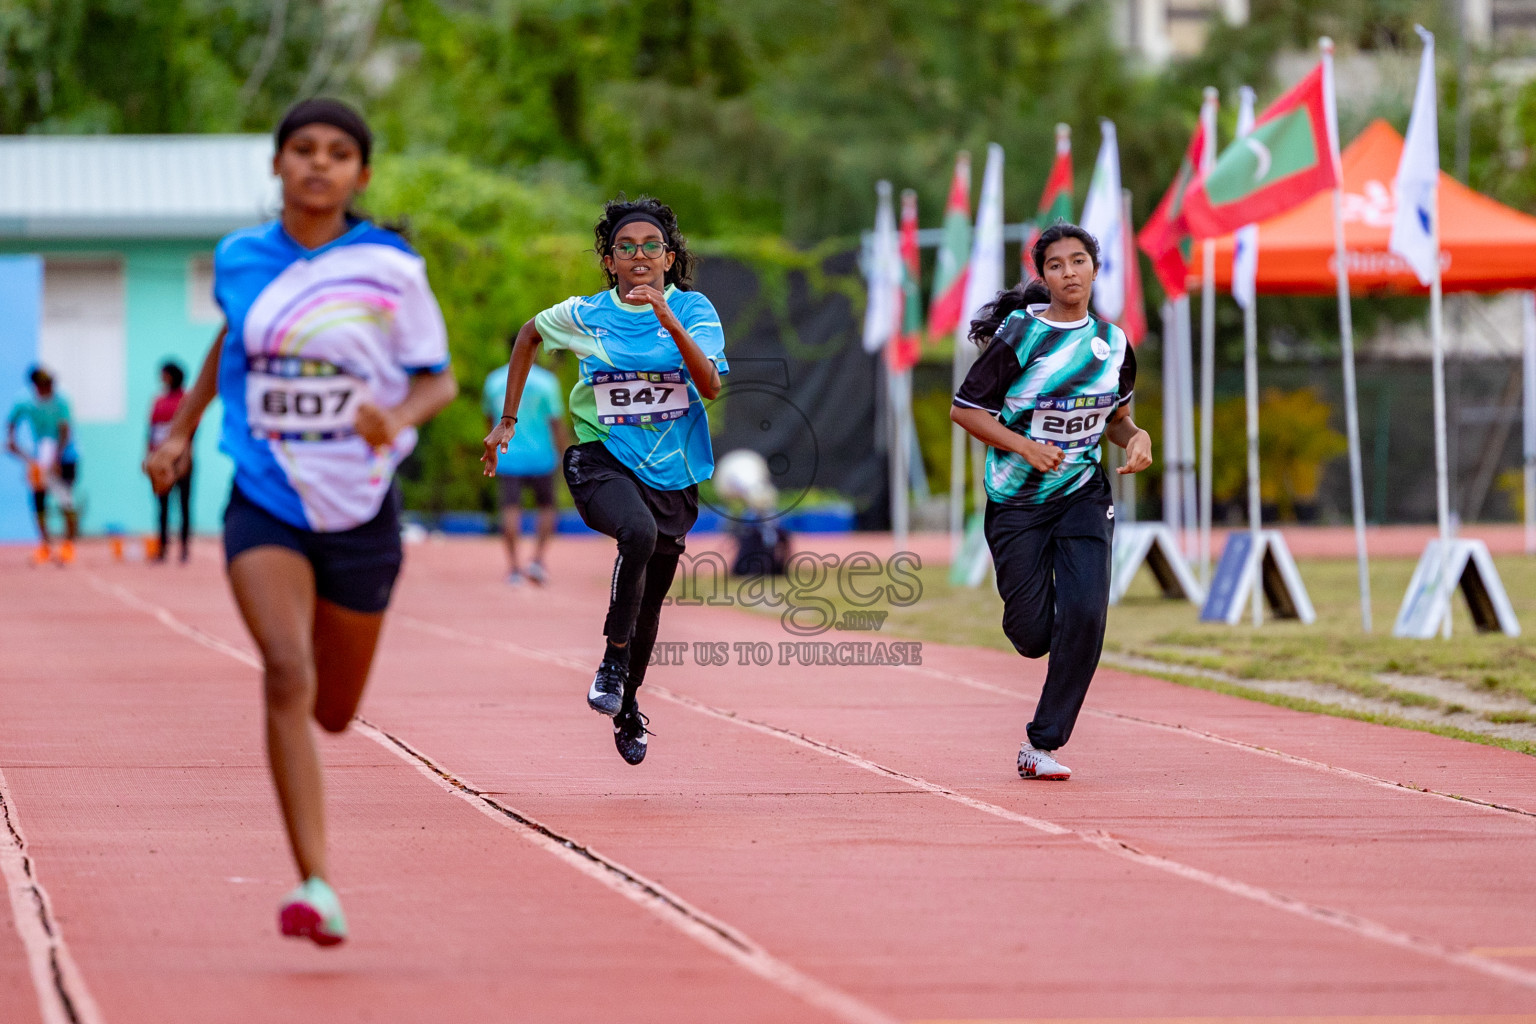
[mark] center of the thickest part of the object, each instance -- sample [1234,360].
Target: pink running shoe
[312,911]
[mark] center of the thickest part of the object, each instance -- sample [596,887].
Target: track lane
[509,696]
[135,758]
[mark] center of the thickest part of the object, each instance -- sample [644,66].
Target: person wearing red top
[172,376]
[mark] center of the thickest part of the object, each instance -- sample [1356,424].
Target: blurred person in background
[171,378]
[529,461]
[52,464]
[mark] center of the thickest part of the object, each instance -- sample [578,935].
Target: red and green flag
[944,310]
[905,349]
[1283,162]
[1165,237]
[1055,201]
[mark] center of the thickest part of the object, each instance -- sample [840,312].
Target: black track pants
[642,573]
[183,490]
[1053,575]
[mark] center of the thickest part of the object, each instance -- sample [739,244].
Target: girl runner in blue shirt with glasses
[652,352]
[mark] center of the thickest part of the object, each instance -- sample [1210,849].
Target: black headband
[327,111]
[630,218]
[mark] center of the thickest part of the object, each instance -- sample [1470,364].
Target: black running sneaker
[629,733]
[607,694]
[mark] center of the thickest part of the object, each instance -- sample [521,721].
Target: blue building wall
[112,491]
[21,284]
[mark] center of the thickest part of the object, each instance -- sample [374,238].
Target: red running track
[834,843]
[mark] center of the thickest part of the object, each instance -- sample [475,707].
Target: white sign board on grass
[1152,545]
[1241,569]
[1467,565]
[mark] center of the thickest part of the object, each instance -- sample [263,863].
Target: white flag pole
[1172,476]
[984,281]
[1188,488]
[1346,337]
[1245,289]
[1207,348]
[1437,358]
[1528,325]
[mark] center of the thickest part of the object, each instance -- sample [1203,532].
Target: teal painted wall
[112,490]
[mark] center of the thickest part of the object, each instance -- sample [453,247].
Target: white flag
[1102,218]
[1415,228]
[1245,254]
[986,268]
[882,272]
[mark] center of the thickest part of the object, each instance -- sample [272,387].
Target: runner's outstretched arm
[167,463]
[524,350]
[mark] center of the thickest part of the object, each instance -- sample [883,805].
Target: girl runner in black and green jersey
[1053,380]
[652,352]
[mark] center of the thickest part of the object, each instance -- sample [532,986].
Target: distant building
[106,246]
[1163,29]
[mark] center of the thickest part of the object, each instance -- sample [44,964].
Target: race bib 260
[625,397]
[1071,423]
[293,399]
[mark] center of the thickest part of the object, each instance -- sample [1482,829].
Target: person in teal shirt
[52,463]
[529,462]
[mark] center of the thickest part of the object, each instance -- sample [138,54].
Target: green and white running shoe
[312,911]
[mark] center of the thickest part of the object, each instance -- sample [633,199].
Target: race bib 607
[293,399]
[1071,423]
[626,397]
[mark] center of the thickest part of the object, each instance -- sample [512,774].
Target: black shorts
[354,568]
[64,489]
[590,465]
[509,489]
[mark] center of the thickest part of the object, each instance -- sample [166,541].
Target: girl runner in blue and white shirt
[652,352]
[332,354]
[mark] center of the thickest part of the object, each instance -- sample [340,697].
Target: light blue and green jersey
[634,393]
[1057,384]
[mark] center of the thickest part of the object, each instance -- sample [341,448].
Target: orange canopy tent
[1485,246]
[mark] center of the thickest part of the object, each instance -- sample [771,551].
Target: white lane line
[652,896]
[708,931]
[1227,741]
[62,995]
[1344,920]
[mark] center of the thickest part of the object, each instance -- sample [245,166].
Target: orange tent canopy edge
[1485,246]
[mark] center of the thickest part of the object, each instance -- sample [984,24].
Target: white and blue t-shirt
[635,394]
[313,334]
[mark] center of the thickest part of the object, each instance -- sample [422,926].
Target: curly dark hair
[615,210]
[991,316]
[1055,233]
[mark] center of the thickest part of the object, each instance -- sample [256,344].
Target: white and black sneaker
[629,733]
[607,694]
[1039,764]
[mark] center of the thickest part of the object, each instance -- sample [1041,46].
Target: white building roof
[140,186]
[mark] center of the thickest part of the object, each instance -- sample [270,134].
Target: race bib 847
[626,397]
[293,399]
[1071,423]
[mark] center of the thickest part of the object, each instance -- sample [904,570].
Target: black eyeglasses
[650,250]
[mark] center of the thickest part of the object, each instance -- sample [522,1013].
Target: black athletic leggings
[183,491]
[1053,575]
[642,573]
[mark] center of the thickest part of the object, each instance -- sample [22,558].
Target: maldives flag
[1165,237]
[905,348]
[1055,201]
[949,276]
[1284,161]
